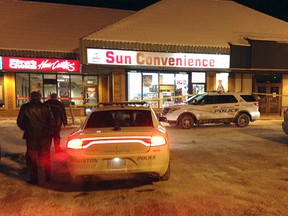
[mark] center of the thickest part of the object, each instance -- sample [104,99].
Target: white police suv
[214,107]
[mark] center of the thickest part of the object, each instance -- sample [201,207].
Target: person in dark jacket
[60,117]
[36,120]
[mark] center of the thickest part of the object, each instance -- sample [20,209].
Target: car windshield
[196,99]
[119,118]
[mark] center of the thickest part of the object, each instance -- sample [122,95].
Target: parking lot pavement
[215,170]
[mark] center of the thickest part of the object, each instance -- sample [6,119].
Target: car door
[226,108]
[208,107]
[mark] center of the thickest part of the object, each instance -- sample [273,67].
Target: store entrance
[268,95]
[90,98]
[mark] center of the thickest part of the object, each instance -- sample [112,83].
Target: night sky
[276,8]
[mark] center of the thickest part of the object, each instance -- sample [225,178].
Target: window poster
[36,86]
[147,80]
[64,90]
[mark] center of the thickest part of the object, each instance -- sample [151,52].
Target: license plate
[116,164]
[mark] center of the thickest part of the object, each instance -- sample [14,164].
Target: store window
[90,93]
[22,89]
[166,89]
[134,86]
[222,82]
[36,83]
[150,88]
[2,104]
[77,90]
[68,87]
[160,89]
[173,87]
[90,89]
[198,80]
[63,85]
[50,85]
[181,87]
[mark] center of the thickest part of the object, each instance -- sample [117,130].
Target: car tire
[285,127]
[186,121]
[166,175]
[242,120]
[286,117]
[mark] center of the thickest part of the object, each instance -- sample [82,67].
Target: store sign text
[41,64]
[156,59]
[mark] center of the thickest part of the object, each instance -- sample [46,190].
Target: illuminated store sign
[156,59]
[40,64]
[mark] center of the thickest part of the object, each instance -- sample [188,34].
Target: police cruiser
[214,107]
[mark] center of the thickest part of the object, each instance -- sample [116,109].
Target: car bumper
[255,116]
[113,165]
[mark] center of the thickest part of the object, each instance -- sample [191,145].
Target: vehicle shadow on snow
[13,165]
[62,181]
[277,136]
[201,126]
[95,185]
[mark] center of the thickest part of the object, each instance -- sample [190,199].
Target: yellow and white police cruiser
[119,140]
[214,107]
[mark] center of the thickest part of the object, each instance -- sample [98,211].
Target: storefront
[20,76]
[163,78]
[265,61]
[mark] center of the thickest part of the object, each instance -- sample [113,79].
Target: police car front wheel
[186,121]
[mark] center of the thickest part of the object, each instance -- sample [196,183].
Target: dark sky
[276,8]
[118,4]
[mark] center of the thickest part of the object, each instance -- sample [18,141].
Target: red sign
[40,64]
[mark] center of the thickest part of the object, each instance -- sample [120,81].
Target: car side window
[219,99]
[228,99]
[209,99]
[249,98]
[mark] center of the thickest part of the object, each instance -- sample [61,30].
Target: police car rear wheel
[186,121]
[166,175]
[242,120]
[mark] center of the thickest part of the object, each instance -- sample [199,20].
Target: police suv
[214,107]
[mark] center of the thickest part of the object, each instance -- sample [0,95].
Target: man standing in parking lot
[60,117]
[36,120]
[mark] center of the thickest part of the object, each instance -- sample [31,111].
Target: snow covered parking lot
[215,170]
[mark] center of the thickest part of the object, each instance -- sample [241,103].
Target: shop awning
[38,54]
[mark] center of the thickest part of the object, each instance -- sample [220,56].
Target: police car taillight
[158,141]
[75,144]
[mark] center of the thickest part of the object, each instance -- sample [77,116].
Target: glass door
[268,98]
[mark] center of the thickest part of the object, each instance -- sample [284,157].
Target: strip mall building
[172,48]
